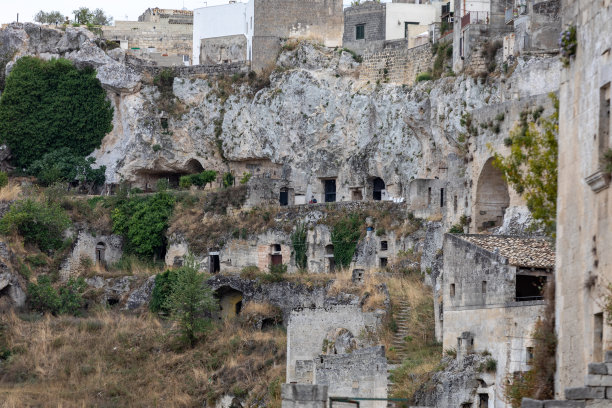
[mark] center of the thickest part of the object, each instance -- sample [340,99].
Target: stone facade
[303,396]
[159,35]
[396,63]
[584,213]
[488,304]
[98,249]
[373,17]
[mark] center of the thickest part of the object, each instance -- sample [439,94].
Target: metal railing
[528,298]
[475,17]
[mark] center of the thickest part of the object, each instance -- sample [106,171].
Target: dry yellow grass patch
[112,359]
[12,191]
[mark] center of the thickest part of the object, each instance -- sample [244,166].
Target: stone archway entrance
[492,197]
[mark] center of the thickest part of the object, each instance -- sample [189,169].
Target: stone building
[252,31]
[368,25]
[91,249]
[326,347]
[475,22]
[492,297]
[536,25]
[584,213]
[160,35]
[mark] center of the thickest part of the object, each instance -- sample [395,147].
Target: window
[529,287]
[452,290]
[429,196]
[276,248]
[360,32]
[383,245]
[484,287]
[598,338]
[529,355]
[383,262]
[455,204]
[441,197]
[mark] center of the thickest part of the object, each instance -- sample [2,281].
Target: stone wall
[108,247]
[396,63]
[308,328]
[164,36]
[373,16]
[303,396]
[584,218]
[223,50]
[360,374]
[144,66]
[319,20]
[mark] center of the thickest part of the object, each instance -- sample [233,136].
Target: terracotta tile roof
[524,252]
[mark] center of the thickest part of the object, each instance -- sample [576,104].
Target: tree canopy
[48,105]
[83,15]
[51,17]
[531,166]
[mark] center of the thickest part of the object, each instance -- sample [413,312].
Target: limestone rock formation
[11,286]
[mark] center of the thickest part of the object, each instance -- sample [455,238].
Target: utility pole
[17,17]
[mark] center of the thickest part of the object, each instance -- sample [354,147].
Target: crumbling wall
[103,249]
[308,328]
[361,374]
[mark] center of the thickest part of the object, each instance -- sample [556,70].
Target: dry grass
[124,360]
[10,192]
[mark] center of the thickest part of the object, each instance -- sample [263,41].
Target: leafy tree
[205,177]
[43,297]
[143,222]
[345,234]
[228,180]
[191,298]
[164,283]
[531,167]
[48,105]
[62,165]
[42,224]
[51,17]
[100,18]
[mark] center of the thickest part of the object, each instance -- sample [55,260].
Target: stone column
[303,396]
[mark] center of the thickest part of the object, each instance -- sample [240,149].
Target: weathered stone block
[303,392]
[564,404]
[531,403]
[609,356]
[581,393]
[593,380]
[609,392]
[598,368]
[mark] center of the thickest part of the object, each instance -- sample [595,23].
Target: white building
[224,32]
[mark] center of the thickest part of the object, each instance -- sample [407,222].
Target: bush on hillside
[143,222]
[43,297]
[3,179]
[48,105]
[164,282]
[63,165]
[41,224]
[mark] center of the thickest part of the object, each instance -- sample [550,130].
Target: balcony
[511,15]
[475,17]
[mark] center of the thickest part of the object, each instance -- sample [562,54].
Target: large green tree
[48,105]
[51,17]
[83,15]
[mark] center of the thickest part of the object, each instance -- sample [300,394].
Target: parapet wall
[184,71]
[396,63]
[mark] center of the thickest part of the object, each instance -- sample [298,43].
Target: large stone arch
[492,197]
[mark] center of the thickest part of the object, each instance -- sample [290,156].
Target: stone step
[594,380]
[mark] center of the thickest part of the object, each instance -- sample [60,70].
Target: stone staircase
[596,394]
[402,319]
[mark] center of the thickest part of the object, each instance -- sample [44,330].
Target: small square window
[360,31]
[383,262]
[383,245]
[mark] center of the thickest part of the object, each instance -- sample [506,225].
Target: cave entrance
[230,302]
[378,186]
[492,197]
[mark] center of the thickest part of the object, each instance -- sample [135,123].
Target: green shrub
[245,178]
[202,179]
[250,272]
[424,76]
[143,222]
[345,234]
[43,297]
[276,273]
[162,184]
[228,180]
[3,179]
[38,223]
[185,182]
[63,165]
[456,229]
[157,147]
[300,246]
[49,105]
[164,282]
[607,161]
